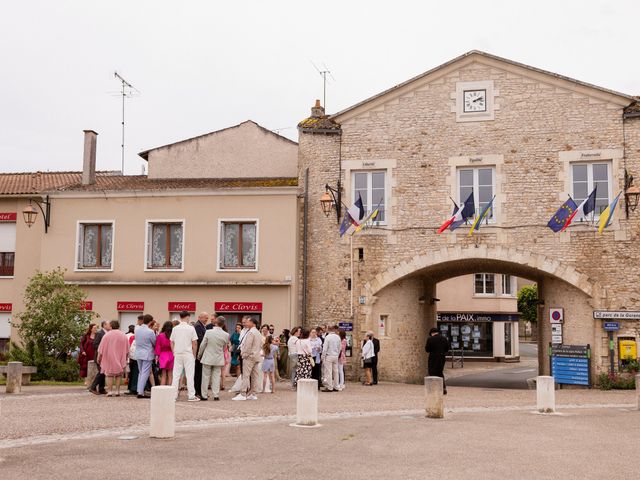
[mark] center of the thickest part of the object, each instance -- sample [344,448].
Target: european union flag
[560,217]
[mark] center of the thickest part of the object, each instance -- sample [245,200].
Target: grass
[48,383]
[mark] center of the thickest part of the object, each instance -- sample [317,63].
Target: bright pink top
[164,353]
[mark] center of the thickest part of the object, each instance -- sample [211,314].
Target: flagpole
[351,278]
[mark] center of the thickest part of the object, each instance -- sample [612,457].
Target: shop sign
[237,306]
[87,306]
[130,306]
[611,326]
[8,216]
[180,306]
[346,326]
[6,307]
[477,317]
[616,315]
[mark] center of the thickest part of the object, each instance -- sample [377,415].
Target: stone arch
[527,264]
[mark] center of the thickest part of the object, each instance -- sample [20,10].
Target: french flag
[587,206]
[460,215]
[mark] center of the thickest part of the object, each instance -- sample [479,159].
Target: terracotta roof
[318,122]
[49,182]
[145,154]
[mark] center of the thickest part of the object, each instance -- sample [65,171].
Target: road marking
[190,425]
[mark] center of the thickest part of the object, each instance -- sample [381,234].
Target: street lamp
[29,213]
[331,198]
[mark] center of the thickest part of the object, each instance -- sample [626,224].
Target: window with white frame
[480,181]
[507,285]
[95,245]
[238,245]
[587,176]
[7,248]
[370,185]
[484,284]
[165,242]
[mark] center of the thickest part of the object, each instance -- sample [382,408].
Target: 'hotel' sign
[8,216]
[180,306]
[6,307]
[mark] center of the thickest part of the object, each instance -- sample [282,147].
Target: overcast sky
[205,65]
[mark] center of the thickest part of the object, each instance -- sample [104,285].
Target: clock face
[475,101]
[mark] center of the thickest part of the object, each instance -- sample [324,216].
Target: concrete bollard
[14,377]
[434,400]
[307,403]
[163,412]
[546,394]
[92,371]
[638,391]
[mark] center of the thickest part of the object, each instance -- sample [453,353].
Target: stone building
[526,136]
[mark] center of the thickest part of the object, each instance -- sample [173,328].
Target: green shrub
[621,381]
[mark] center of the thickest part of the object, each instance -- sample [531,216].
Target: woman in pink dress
[164,354]
[112,356]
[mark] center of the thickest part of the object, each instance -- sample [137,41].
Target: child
[269,365]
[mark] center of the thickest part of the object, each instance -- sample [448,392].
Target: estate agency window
[481,182]
[485,284]
[474,337]
[238,245]
[370,186]
[165,245]
[587,176]
[7,248]
[95,246]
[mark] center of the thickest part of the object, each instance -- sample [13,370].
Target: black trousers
[197,378]
[374,369]
[98,382]
[436,367]
[133,376]
[316,372]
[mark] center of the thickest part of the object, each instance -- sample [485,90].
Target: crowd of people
[198,355]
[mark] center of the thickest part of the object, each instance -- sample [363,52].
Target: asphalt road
[503,377]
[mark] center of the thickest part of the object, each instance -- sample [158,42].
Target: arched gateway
[406,291]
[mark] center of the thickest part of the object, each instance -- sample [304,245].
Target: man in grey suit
[211,356]
[145,352]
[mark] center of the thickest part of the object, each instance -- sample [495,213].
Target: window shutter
[80,245]
[148,262]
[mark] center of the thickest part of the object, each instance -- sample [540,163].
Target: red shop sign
[130,306]
[8,216]
[238,306]
[180,306]
[6,307]
[88,305]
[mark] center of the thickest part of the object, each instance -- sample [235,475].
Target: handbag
[312,361]
[367,362]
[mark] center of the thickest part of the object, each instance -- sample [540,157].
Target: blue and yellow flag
[483,213]
[607,214]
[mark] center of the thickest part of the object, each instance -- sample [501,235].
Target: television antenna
[127,91]
[323,74]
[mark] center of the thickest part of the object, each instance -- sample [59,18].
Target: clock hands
[477,99]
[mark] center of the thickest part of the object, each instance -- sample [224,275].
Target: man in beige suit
[250,350]
[211,356]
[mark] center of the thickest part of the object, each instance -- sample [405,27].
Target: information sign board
[570,364]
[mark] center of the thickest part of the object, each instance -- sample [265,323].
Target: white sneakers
[194,399]
[241,397]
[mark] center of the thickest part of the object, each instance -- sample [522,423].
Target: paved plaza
[367,432]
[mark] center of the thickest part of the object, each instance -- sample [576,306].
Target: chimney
[89,158]
[317,111]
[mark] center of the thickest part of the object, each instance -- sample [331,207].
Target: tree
[528,303]
[51,325]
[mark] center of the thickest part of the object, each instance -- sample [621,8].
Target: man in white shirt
[292,347]
[330,353]
[184,343]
